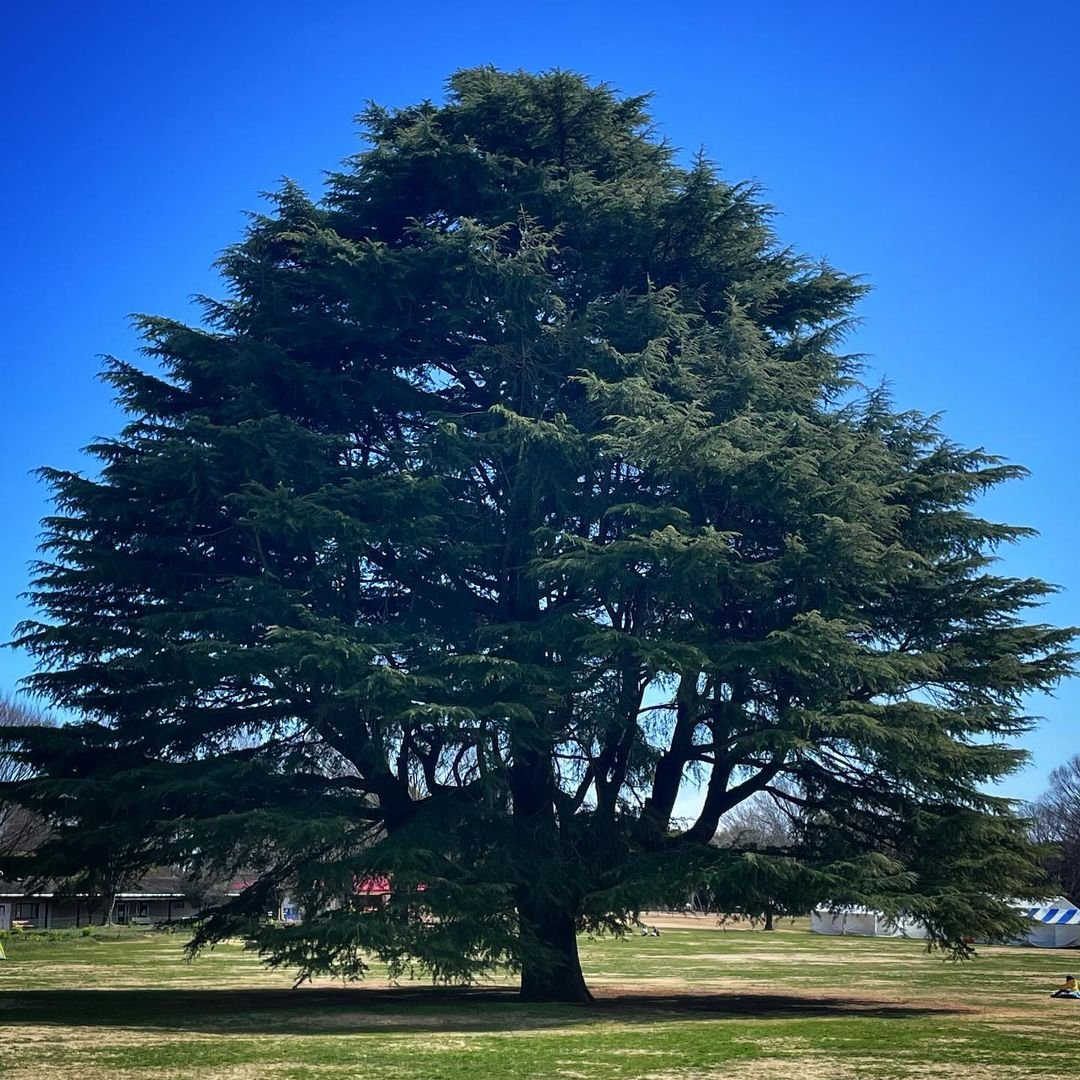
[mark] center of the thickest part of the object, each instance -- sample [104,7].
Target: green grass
[694,1004]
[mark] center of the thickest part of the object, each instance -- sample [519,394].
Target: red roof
[371,886]
[376,885]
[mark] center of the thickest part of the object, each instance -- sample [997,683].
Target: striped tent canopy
[1055,916]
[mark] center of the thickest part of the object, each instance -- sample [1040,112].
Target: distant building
[155,898]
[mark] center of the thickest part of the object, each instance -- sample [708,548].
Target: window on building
[25,911]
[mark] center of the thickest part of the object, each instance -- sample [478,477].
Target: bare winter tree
[20,830]
[1056,820]
[760,822]
[764,823]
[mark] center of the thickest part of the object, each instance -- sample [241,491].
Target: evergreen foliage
[517,486]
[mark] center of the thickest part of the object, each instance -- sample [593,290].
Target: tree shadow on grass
[356,1010]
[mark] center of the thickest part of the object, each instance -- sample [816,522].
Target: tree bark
[550,968]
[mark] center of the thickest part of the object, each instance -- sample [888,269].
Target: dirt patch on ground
[787,957]
[262,1071]
[823,1067]
[676,920]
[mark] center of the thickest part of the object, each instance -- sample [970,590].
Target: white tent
[1055,925]
[863,922]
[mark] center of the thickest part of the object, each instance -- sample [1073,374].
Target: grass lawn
[697,1003]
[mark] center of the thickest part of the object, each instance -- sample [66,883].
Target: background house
[155,898]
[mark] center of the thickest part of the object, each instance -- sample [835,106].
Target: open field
[697,1003]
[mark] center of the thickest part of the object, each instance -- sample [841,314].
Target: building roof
[155,885]
[150,887]
[375,885]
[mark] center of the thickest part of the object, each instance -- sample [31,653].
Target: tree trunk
[550,969]
[768,919]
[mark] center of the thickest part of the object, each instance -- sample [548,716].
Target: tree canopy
[516,488]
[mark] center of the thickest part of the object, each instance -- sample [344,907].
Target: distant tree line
[1056,824]
[20,829]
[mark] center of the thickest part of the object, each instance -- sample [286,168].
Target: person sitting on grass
[1069,989]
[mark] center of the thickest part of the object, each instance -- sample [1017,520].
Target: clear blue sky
[931,147]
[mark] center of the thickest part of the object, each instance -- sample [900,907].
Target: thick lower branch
[719,798]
